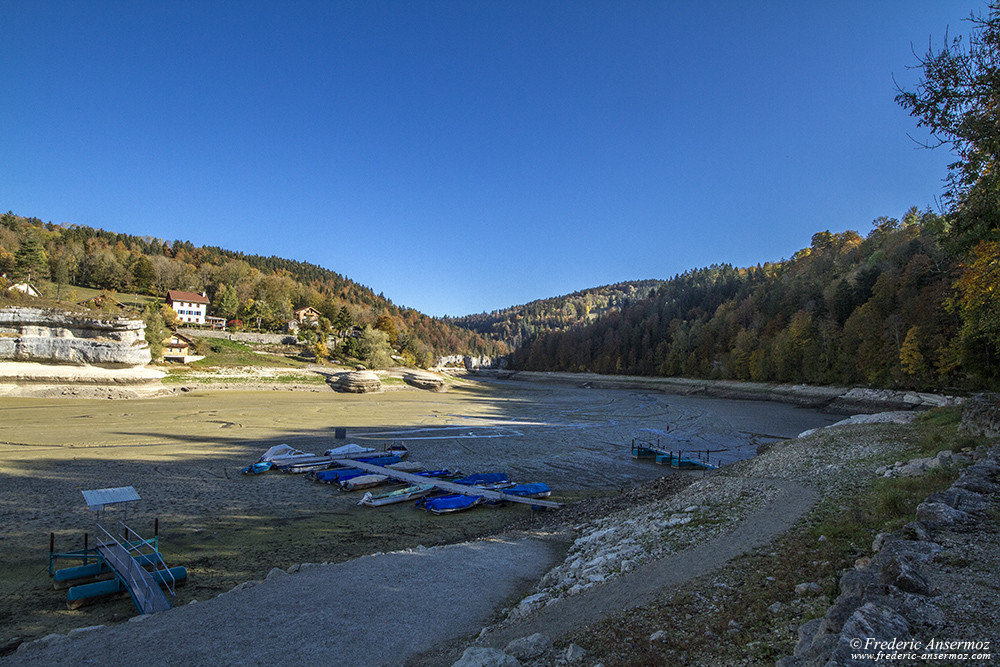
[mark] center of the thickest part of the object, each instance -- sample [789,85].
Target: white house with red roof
[190,307]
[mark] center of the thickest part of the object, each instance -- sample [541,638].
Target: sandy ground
[183,455]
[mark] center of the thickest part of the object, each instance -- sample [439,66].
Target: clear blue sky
[462,156]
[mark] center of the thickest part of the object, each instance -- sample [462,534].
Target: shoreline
[838,400]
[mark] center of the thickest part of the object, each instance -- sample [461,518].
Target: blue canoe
[536,490]
[257,468]
[449,503]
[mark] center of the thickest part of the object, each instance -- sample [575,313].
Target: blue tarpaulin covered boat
[449,503]
[535,490]
[335,476]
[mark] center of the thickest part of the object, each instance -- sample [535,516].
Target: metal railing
[139,584]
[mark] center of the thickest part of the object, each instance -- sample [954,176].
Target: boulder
[940,515]
[527,648]
[358,382]
[425,381]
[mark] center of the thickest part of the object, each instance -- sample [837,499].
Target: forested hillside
[249,288]
[915,303]
[877,310]
[517,324]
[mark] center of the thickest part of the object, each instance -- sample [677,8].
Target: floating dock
[451,487]
[695,460]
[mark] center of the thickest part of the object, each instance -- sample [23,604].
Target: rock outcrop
[57,353]
[50,336]
[895,597]
[358,382]
[425,381]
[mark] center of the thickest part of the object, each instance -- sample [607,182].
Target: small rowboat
[362,482]
[450,503]
[398,496]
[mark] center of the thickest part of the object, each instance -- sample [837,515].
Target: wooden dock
[450,487]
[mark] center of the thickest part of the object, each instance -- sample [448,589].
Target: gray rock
[914,468]
[807,633]
[977,481]
[477,656]
[916,530]
[855,583]
[869,621]
[532,646]
[905,575]
[817,652]
[917,551]
[961,499]
[838,613]
[574,653]
[807,588]
[881,539]
[939,515]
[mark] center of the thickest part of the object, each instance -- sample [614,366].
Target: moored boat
[450,503]
[534,490]
[362,482]
[335,476]
[397,496]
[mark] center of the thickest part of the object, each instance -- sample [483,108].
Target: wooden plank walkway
[451,487]
[148,596]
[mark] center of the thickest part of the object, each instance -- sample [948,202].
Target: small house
[179,348]
[307,315]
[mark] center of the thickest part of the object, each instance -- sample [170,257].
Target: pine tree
[30,262]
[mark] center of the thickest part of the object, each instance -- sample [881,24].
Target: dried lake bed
[183,454]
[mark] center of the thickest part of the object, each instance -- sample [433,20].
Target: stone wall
[52,336]
[242,336]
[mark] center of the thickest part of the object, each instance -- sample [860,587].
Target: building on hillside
[216,322]
[307,315]
[179,348]
[190,307]
[24,288]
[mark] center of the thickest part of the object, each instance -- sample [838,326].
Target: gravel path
[376,610]
[643,584]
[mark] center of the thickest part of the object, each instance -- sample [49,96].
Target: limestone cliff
[63,351]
